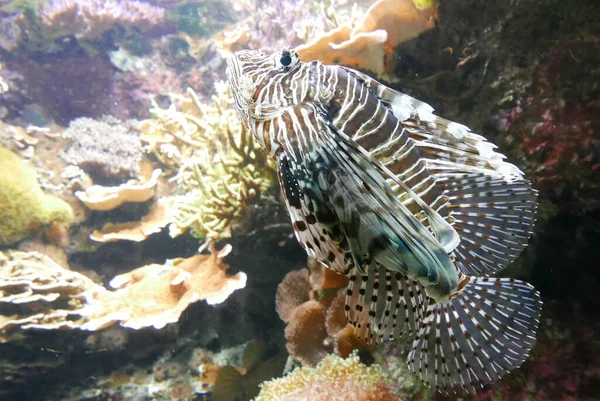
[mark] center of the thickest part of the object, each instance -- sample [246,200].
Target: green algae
[24,207]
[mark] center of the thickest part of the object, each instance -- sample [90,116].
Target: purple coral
[91,18]
[104,149]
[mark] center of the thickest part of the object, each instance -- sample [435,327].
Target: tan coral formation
[159,216]
[37,293]
[369,43]
[215,161]
[102,198]
[156,295]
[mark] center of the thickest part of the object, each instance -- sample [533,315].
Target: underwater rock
[67,86]
[24,207]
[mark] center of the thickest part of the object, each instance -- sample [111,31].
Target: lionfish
[415,209]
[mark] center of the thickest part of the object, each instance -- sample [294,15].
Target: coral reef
[37,293]
[533,68]
[216,162]
[160,215]
[24,207]
[334,378]
[104,149]
[156,295]
[98,197]
[92,18]
[370,42]
[313,308]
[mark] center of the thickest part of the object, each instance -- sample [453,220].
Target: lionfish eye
[285,60]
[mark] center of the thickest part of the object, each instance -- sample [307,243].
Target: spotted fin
[326,175]
[383,305]
[311,236]
[475,338]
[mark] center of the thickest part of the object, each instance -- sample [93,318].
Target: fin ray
[494,217]
[476,337]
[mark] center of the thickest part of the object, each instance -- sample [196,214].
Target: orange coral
[315,328]
[160,214]
[369,44]
[322,278]
[292,292]
[306,334]
[155,295]
[333,379]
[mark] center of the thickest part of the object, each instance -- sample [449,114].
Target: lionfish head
[248,70]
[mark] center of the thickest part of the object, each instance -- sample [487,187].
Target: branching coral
[334,378]
[24,207]
[217,164]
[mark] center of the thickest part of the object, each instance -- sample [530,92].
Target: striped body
[290,106]
[406,204]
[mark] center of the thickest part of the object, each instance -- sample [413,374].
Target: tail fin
[475,338]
